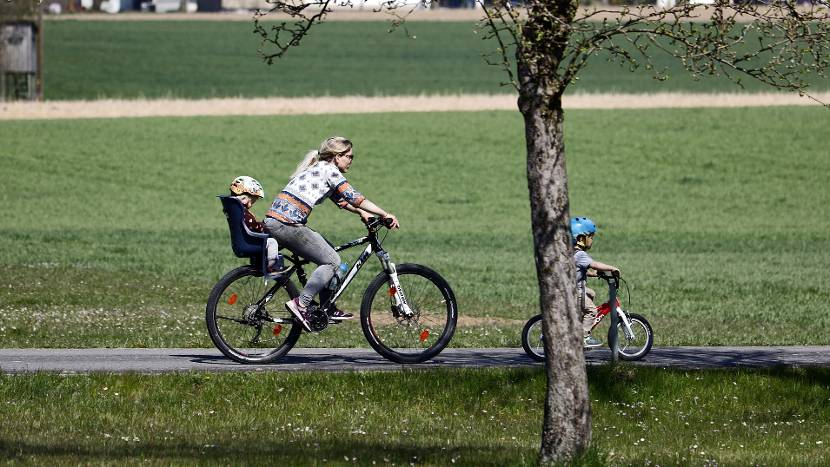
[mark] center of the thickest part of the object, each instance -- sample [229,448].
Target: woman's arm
[364,215]
[373,208]
[345,194]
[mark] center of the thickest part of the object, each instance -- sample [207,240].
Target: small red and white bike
[634,332]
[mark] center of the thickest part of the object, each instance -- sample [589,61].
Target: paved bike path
[306,359]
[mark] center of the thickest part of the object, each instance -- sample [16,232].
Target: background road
[175,360]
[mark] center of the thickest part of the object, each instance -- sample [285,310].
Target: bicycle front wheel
[419,333]
[244,328]
[532,340]
[636,345]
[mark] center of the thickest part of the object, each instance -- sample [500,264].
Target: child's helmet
[247,185]
[582,226]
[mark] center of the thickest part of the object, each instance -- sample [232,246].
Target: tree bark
[566,431]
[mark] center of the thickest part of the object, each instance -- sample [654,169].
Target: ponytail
[328,149]
[311,158]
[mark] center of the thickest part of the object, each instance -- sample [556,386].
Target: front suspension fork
[395,290]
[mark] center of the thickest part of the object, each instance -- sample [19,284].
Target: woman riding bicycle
[318,176]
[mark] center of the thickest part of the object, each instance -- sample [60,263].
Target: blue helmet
[582,226]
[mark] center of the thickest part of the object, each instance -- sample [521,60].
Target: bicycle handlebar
[375,223]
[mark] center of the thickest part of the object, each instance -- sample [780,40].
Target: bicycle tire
[240,337]
[640,345]
[532,339]
[409,340]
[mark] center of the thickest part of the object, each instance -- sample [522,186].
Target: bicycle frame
[374,246]
[605,308]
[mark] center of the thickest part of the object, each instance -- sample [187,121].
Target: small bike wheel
[638,344]
[241,326]
[416,337]
[532,339]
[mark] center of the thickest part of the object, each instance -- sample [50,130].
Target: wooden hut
[20,50]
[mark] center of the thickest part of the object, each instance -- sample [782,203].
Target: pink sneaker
[300,312]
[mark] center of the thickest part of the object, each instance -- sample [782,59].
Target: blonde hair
[328,149]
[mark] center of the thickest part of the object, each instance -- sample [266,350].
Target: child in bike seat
[248,191]
[582,233]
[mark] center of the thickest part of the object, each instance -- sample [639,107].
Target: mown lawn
[111,235]
[641,416]
[200,59]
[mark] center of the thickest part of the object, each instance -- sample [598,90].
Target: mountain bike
[408,312]
[635,334]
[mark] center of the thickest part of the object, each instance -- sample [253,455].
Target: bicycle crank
[318,320]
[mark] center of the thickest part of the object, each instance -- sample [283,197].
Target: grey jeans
[310,245]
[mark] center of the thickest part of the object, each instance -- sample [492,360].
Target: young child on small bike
[582,232]
[248,191]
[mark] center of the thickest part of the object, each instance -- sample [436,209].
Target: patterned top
[251,222]
[309,188]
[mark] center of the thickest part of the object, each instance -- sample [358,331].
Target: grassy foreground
[111,235]
[199,59]
[473,417]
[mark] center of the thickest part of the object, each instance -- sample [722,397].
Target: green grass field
[641,416]
[198,59]
[111,234]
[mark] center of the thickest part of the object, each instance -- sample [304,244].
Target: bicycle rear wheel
[244,329]
[532,340]
[415,338]
[638,344]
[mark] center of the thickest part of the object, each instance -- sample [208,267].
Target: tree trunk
[566,432]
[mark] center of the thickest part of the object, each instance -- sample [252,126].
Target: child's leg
[589,312]
[272,251]
[590,294]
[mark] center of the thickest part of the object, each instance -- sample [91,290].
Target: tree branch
[792,42]
[508,19]
[296,31]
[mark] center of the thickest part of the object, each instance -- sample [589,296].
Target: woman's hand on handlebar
[375,223]
[365,217]
[391,222]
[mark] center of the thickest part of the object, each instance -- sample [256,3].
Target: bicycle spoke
[237,320]
[636,347]
[426,332]
[255,339]
[241,328]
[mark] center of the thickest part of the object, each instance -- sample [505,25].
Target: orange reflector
[424,335]
[392,291]
[232,299]
[277,329]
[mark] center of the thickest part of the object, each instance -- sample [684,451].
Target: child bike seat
[244,242]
